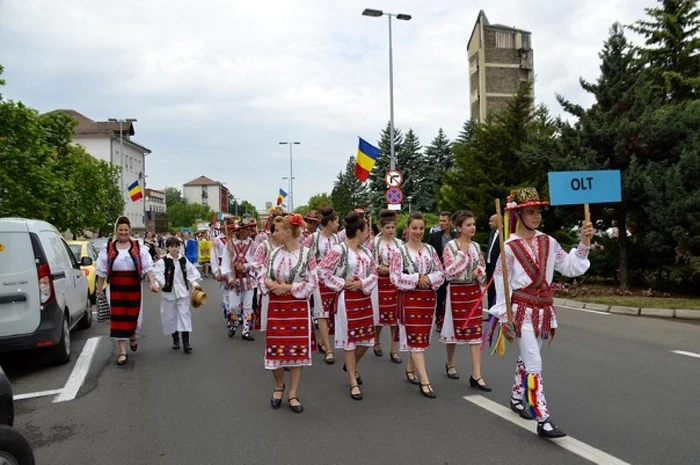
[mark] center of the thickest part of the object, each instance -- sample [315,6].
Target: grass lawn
[641,301]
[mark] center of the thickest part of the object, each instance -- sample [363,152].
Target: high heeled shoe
[454,375]
[412,378]
[430,394]
[475,384]
[357,396]
[276,403]
[295,408]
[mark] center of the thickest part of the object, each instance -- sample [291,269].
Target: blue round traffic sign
[394,195]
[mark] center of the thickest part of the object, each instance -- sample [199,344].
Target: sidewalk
[684,314]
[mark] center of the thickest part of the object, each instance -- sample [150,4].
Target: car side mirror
[85,261]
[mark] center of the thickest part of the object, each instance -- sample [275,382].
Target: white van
[43,291]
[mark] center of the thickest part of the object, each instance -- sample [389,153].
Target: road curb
[681,314]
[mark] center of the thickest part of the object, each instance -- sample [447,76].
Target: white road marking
[583,310]
[80,370]
[572,445]
[31,395]
[688,354]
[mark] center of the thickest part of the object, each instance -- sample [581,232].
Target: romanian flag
[281,196]
[135,191]
[367,155]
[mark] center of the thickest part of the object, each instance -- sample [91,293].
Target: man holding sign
[531,257]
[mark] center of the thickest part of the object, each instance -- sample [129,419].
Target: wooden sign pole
[504,262]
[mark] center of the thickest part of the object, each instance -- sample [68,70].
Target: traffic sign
[393,178]
[394,195]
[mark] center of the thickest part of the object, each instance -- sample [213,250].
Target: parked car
[43,291]
[99,243]
[14,448]
[82,249]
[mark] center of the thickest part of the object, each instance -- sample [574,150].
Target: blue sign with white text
[580,187]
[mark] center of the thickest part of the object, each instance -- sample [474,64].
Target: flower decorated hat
[313,217]
[246,222]
[524,197]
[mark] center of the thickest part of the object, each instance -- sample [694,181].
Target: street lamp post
[121,148]
[291,174]
[409,198]
[289,183]
[404,17]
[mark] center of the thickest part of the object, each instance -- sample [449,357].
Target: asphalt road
[612,382]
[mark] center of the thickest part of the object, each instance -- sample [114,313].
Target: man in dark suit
[439,240]
[492,252]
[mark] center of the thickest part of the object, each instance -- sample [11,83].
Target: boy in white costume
[176,276]
[531,259]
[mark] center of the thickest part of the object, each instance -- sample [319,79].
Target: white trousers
[528,385]
[175,315]
[241,305]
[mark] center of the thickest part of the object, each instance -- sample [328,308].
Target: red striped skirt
[328,299]
[360,316]
[388,301]
[288,339]
[124,303]
[466,305]
[416,313]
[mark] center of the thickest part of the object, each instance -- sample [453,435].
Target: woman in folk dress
[262,253]
[123,261]
[417,271]
[349,269]
[290,278]
[385,295]
[320,242]
[465,274]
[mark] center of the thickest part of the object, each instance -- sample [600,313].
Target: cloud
[217,84]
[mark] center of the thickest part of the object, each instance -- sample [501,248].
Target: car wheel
[86,321]
[14,448]
[60,353]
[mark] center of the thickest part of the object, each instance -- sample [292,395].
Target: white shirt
[179,289]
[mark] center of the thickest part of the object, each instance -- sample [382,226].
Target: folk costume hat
[246,222]
[198,297]
[524,197]
[312,217]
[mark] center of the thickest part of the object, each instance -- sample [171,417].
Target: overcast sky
[216,84]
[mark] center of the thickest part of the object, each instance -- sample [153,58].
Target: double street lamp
[291,173]
[404,17]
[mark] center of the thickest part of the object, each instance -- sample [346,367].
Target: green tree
[319,201]
[185,215]
[467,132]
[672,51]
[377,184]
[45,176]
[348,191]
[341,197]
[438,160]
[410,161]
[173,196]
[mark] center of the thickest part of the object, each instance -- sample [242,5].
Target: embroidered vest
[299,270]
[315,239]
[170,273]
[468,274]
[238,253]
[409,266]
[134,253]
[377,243]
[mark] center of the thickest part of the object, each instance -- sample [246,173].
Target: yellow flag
[204,251]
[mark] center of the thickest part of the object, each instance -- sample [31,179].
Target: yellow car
[83,249]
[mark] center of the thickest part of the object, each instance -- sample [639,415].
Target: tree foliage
[44,176]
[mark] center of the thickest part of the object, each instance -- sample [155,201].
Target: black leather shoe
[411,376]
[357,396]
[454,375]
[475,384]
[359,379]
[186,342]
[520,408]
[553,433]
[276,403]
[429,393]
[176,341]
[295,408]
[247,337]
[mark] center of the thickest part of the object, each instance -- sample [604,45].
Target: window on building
[205,192]
[505,39]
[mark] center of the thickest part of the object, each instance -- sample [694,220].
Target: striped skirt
[124,303]
[463,314]
[416,315]
[288,338]
[388,301]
